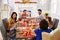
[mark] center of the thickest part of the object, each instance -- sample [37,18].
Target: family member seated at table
[45,16]
[24,15]
[50,22]
[43,28]
[12,20]
[20,18]
[40,17]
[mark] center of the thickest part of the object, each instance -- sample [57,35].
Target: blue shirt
[38,33]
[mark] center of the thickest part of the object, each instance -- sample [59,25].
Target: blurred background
[7,7]
[50,6]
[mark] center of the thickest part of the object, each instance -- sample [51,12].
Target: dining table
[25,28]
[23,33]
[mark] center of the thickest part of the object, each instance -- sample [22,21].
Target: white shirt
[39,18]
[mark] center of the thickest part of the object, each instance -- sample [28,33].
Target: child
[43,28]
[50,22]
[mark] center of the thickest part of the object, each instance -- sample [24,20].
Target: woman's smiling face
[14,15]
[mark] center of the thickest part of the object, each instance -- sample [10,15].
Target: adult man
[24,15]
[40,17]
[40,14]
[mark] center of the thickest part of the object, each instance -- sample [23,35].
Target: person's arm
[9,25]
[33,33]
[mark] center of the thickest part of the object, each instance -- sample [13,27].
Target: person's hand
[37,27]
[15,24]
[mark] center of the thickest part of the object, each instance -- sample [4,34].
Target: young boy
[43,28]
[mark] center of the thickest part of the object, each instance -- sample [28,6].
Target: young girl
[50,22]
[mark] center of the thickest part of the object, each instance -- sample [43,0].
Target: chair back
[5,23]
[4,33]
[46,36]
[55,23]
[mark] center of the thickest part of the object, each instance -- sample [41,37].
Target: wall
[58,11]
[32,7]
[0,12]
[0,2]
[55,9]
[42,4]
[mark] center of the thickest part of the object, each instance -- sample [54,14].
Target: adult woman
[12,20]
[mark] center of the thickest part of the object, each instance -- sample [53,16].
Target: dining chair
[55,23]
[5,23]
[3,31]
